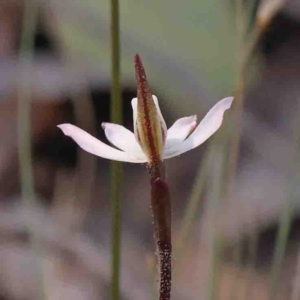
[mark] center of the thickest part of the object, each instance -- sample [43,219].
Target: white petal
[134,109]
[179,131]
[207,127]
[162,120]
[121,137]
[96,147]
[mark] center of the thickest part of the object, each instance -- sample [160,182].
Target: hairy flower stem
[161,209]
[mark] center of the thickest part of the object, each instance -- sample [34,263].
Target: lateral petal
[134,111]
[180,130]
[207,127]
[121,137]
[162,120]
[92,145]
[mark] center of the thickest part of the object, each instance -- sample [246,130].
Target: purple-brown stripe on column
[144,96]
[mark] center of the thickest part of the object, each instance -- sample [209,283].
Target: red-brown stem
[160,196]
[161,208]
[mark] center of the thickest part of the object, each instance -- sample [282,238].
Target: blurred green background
[226,247]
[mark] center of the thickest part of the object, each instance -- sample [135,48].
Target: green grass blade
[116,167]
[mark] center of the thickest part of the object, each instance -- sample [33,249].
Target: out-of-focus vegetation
[227,245]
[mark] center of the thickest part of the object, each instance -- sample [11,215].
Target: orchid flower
[151,140]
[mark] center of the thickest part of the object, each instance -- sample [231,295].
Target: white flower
[181,137]
[151,141]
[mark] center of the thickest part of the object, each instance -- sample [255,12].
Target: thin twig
[116,169]
[286,217]
[24,127]
[84,117]
[253,244]
[295,295]
[238,109]
[86,166]
[215,242]
[191,210]
[280,247]
[245,53]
